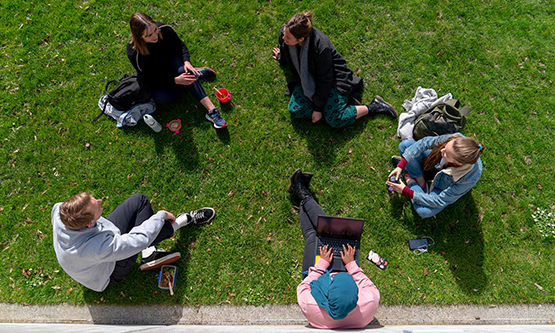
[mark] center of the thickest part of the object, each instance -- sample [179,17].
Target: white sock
[181,221]
[148,251]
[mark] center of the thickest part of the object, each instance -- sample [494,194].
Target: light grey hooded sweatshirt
[89,255]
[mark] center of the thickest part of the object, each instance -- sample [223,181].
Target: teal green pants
[337,111]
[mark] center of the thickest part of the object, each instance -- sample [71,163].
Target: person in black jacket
[322,84]
[163,62]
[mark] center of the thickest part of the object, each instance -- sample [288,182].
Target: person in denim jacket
[452,159]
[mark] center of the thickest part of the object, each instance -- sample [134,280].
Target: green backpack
[442,118]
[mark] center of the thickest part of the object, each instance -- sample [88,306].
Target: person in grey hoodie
[98,252]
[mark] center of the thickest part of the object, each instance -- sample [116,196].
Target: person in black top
[163,62]
[321,86]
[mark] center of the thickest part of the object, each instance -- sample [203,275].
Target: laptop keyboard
[336,245]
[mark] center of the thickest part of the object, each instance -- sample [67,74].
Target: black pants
[308,216]
[129,214]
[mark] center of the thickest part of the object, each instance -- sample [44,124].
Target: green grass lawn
[497,56]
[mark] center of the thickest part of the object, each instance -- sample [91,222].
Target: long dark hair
[467,151]
[138,23]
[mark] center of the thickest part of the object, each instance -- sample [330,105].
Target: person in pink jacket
[336,300]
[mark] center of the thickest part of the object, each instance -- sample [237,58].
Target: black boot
[307,176]
[297,186]
[379,106]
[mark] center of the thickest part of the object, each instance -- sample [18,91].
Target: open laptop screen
[339,227]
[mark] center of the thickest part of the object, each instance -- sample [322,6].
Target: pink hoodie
[360,316]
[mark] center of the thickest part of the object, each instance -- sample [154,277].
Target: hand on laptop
[348,254]
[326,253]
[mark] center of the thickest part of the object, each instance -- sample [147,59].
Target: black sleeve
[323,76]
[132,56]
[178,46]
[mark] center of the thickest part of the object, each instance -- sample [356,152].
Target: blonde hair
[467,151]
[74,213]
[300,25]
[138,23]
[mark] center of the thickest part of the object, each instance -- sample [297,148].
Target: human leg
[308,216]
[414,167]
[131,213]
[337,111]
[424,211]
[299,105]
[379,106]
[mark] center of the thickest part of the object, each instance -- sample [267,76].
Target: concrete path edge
[526,314]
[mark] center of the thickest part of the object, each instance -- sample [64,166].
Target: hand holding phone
[393,179]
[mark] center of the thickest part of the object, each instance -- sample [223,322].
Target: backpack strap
[452,102]
[101,113]
[464,110]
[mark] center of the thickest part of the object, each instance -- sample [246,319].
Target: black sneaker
[214,117]
[395,160]
[200,216]
[158,259]
[205,73]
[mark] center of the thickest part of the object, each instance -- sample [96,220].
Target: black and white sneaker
[158,259]
[215,118]
[200,216]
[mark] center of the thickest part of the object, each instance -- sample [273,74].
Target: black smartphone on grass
[421,243]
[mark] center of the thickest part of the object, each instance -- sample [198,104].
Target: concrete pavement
[70,328]
[277,315]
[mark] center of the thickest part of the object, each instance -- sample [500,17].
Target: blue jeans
[414,169]
[168,96]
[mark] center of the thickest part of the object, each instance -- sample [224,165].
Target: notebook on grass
[336,232]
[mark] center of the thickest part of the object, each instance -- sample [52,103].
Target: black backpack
[128,92]
[442,118]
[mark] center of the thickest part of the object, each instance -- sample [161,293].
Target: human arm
[277,53]
[304,295]
[368,294]
[108,245]
[322,71]
[348,254]
[169,217]
[451,190]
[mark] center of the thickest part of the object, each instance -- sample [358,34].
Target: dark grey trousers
[129,214]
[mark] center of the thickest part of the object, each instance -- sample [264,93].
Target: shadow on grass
[458,236]
[191,114]
[323,140]
[141,288]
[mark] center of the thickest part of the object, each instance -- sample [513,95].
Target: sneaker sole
[391,106]
[170,258]
[213,214]
[215,126]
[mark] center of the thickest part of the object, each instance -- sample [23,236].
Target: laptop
[336,231]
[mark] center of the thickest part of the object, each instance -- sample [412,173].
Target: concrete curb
[528,314]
